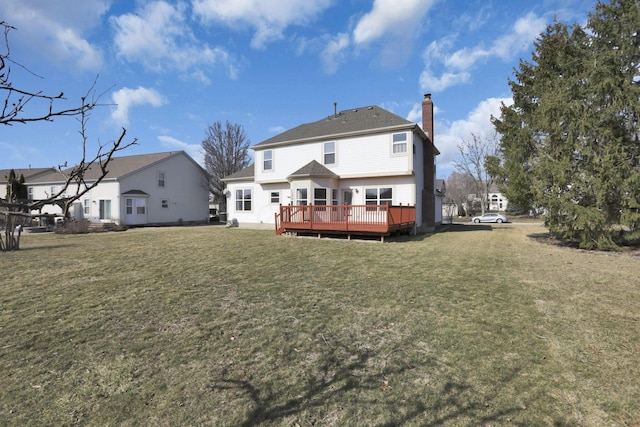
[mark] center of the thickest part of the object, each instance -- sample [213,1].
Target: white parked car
[490,217]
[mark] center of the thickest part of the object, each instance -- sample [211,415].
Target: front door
[135,210]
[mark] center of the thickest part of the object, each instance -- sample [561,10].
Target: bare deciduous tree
[474,155]
[459,186]
[14,211]
[226,151]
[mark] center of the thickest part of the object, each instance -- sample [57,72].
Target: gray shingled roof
[313,168]
[27,173]
[356,120]
[243,174]
[118,167]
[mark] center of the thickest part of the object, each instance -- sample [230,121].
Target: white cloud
[269,18]
[58,33]
[277,129]
[194,150]
[333,53]
[390,16]
[433,83]
[415,115]
[477,122]
[158,36]
[126,98]
[456,65]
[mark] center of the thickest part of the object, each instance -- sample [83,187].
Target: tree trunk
[12,231]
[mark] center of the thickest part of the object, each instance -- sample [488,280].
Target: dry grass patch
[212,326]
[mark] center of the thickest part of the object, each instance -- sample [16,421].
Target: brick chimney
[429,163]
[427,116]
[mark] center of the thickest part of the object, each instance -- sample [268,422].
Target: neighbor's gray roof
[27,173]
[241,175]
[313,168]
[354,121]
[118,167]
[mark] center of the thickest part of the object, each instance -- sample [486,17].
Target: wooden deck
[378,220]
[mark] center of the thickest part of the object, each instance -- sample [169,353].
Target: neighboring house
[496,201]
[361,156]
[159,188]
[28,174]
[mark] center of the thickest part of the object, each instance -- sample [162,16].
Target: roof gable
[358,120]
[312,169]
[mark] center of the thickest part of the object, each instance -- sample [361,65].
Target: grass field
[481,325]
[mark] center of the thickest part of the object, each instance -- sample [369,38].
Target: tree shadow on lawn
[457,227]
[44,247]
[344,375]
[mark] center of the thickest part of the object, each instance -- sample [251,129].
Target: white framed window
[128,206]
[162,179]
[243,199]
[399,143]
[86,206]
[105,209]
[164,203]
[329,153]
[334,197]
[30,191]
[53,190]
[379,196]
[320,196]
[275,197]
[267,160]
[301,196]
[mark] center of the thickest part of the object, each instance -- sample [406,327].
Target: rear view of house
[365,158]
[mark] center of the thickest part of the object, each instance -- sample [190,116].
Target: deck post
[346,214]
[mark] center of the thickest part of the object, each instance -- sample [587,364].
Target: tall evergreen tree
[570,139]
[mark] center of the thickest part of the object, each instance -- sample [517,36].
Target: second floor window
[161,179]
[329,153]
[399,143]
[267,160]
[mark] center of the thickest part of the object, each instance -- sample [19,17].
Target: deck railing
[345,218]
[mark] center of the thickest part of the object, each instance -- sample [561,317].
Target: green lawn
[481,325]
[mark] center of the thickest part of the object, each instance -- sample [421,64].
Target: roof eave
[404,126]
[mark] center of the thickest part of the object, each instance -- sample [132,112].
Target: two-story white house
[146,189]
[362,156]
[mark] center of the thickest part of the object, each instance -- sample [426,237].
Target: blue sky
[171,68]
